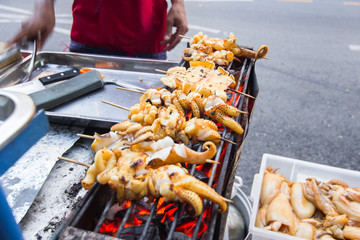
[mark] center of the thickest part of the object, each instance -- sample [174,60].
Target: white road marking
[14,9]
[6,21]
[11,20]
[65,21]
[354,47]
[62,30]
[14,16]
[205,29]
[304,1]
[64,15]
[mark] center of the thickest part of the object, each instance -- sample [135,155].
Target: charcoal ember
[143,205]
[180,236]
[134,232]
[200,175]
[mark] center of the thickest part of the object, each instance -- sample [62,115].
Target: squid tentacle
[203,190]
[228,122]
[195,109]
[179,106]
[191,198]
[122,126]
[141,138]
[229,110]
[198,101]
[104,177]
[142,131]
[134,128]
[104,160]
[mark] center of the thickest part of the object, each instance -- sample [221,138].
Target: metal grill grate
[222,175]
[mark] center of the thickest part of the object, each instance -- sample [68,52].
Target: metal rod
[230,65]
[192,173]
[236,103]
[174,222]
[199,220]
[125,218]
[105,212]
[92,193]
[148,221]
[213,170]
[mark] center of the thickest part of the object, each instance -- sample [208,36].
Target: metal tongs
[30,68]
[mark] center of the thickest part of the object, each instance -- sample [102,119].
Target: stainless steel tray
[88,110]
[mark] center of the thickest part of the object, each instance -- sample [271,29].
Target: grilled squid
[179,153]
[174,183]
[104,161]
[104,140]
[199,129]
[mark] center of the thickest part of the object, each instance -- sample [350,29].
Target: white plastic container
[297,171]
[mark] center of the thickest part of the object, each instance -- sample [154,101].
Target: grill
[99,216]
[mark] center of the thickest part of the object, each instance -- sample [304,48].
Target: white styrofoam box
[297,171]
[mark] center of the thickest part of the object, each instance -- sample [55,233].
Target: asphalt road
[308,104]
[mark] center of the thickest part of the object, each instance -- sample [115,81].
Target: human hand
[176,18]
[39,26]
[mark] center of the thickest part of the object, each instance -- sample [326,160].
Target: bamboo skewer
[243,112]
[74,161]
[227,140]
[209,161]
[85,136]
[229,89]
[127,109]
[115,105]
[88,165]
[184,36]
[247,95]
[161,71]
[130,90]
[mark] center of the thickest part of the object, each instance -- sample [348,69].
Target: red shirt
[131,26]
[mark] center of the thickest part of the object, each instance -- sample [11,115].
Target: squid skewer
[215,110]
[132,179]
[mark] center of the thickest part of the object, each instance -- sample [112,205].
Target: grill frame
[225,179]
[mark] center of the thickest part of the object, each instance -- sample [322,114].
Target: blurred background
[308,104]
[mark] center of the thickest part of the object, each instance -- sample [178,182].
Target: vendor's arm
[176,18]
[40,24]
